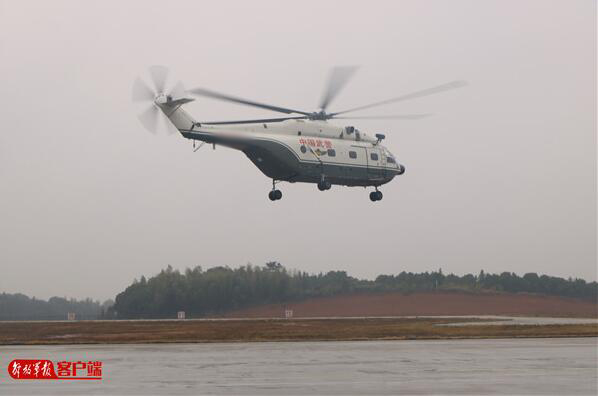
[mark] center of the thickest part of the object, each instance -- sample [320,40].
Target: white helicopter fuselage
[299,147]
[300,150]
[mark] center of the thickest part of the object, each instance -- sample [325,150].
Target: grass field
[100,332]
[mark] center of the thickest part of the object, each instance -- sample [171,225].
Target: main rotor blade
[228,98]
[141,92]
[258,121]
[149,118]
[418,94]
[386,117]
[159,75]
[339,76]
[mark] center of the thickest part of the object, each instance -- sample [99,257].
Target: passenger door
[376,163]
[358,158]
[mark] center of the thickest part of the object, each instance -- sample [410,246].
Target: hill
[221,290]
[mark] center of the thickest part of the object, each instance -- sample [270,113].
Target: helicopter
[299,147]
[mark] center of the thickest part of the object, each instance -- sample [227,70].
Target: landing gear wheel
[324,185]
[375,196]
[275,195]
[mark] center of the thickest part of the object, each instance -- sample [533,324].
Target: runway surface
[504,366]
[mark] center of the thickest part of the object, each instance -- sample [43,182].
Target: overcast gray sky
[501,178]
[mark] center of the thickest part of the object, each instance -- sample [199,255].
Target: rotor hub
[320,115]
[162,98]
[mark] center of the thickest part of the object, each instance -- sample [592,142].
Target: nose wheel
[376,195]
[275,194]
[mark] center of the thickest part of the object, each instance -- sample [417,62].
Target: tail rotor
[156,99]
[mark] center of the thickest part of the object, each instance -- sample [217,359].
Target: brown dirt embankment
[252,330]
[427,304]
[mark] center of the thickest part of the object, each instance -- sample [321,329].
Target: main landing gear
[275,194]
[324,184]
[376,195]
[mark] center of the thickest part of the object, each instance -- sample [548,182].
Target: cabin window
[374,156]
[331,153]
[265,126]
[391,160]
[352,154]
[303,149]
[299,133]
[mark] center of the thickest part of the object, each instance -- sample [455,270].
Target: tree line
[20,307]
[201,292]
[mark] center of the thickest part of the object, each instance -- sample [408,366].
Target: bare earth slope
[423,304]
[251,330]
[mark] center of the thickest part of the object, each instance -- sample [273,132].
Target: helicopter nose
[401,169]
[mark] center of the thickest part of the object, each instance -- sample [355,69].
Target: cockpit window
[390,160]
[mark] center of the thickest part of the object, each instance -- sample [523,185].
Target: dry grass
[82,332]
